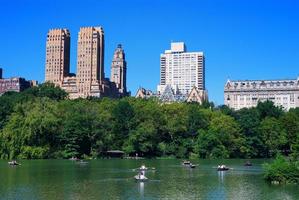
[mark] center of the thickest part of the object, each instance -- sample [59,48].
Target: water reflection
[221,176]
[141,188]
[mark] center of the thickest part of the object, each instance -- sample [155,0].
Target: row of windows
[263,84]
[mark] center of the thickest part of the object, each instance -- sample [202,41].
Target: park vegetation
[282,170]
[42,122]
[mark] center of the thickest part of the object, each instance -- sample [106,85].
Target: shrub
[282,171]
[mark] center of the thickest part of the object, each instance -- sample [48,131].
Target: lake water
[113,179]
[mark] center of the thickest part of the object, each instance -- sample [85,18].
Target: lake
[113,179]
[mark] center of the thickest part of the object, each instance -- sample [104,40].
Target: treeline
[42,123]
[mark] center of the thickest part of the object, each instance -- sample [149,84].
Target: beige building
[90,80]
[119,69]
[247,93]
[198,96]
[90,61]
[69,84]
[57,55]
[144,93]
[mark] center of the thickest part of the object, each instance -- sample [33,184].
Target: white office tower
[181,70]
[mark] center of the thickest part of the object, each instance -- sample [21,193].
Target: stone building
[198,96]
[90,79]
[247,93]
[90,62]
[15,84]
[170,95]
[119,70]
[144,93]
[57,55]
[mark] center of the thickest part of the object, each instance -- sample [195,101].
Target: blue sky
[241,39]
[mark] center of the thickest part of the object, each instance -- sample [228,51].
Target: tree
[143,140]
[122,115]
[273,136]
[196,120]
[222,139]
[31,131]
[249,121]
[268,109]
[290,123]
[46,90]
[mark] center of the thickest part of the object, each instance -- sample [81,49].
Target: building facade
[57,55]
[144,93]
[181,69]
[119,69]
[247,93]
[90,79]
[90,61]
[169,95]
[14,84]
[182,73]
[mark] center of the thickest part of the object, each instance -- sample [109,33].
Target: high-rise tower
[182,70]
[90,60]
[57,55]
[90,79]
[119,69]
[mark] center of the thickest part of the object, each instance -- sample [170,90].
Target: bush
[282,171]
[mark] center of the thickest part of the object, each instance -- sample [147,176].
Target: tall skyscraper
[90,79]
[57,55]
[181,70]
[119,69]
[90,60]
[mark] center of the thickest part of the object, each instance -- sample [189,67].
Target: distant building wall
[247,93]
[90,61]
[13,84]
[57,55]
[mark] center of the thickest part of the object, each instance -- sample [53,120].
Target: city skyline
[241,40]
[89,79]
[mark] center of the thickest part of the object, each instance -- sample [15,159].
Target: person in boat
[143,167]
[222,167]
[248,163]
[13,162]
[141,175]
[186,162]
